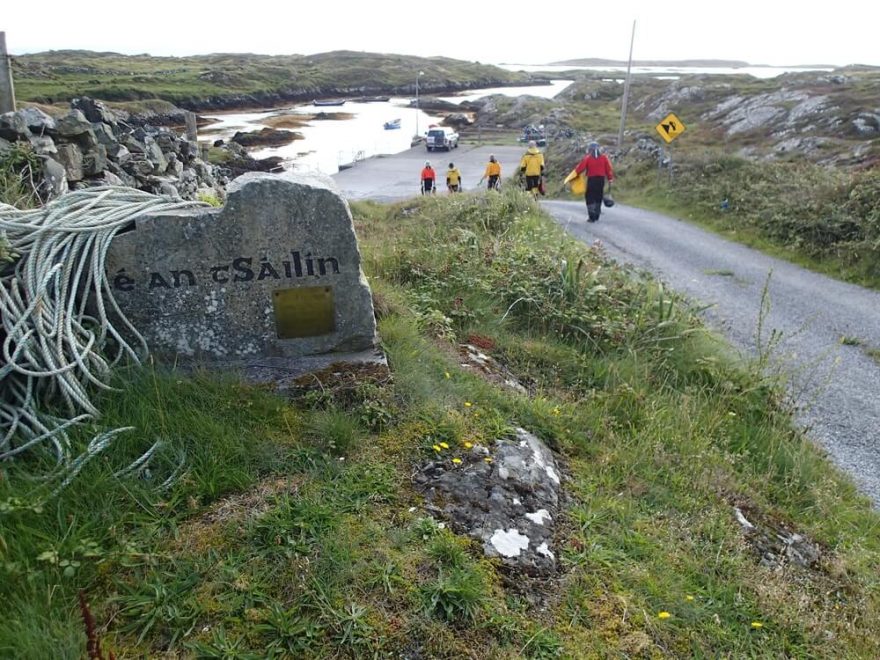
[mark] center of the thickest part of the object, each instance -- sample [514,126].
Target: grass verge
[294,530]
[820,218]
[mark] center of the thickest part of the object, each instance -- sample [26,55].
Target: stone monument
[273,275]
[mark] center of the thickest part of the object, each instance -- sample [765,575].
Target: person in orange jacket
[493,172]
[597,168]
[429,179]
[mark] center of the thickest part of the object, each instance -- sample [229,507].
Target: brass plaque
[304,312]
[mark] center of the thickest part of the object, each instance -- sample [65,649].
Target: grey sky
[760,32]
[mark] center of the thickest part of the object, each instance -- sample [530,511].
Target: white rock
[539,516]
[510,543]
[544,550]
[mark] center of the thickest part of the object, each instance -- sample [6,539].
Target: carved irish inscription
[275,272]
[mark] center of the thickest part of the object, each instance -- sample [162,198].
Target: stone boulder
[71,157]
[95,161]
[94,111]
[104,134]
[43,146]
[134,145]
[275,273]
[118,153]
[457,120]
[867,123]
[54,182]
[13,127]
[73,124]
[154,155]
[506,497]
[37,121]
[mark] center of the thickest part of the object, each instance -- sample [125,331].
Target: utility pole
[626,90]
[7,92]
[421,73]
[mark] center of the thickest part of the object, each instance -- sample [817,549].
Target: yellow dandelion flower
[664,615]
[437,448]
[556,410]
[688,598]
[488,459]
[468,445]
[467,404]
[757,624]
[444,445]
[456,460]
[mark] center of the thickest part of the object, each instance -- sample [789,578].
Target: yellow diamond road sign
[670,128]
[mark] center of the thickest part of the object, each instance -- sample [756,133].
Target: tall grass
[295,531]
[19,178]
[824,217]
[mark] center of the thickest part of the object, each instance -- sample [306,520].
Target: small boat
[327,103]
[374,99]
[391,125]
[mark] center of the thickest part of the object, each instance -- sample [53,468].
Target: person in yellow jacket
[532,166]
[493,172]
[453,179]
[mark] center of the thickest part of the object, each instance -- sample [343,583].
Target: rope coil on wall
[62,331]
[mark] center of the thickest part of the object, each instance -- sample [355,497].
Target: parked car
[536,133]
[441,138]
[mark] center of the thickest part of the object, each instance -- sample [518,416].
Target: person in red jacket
[429,178]
[596,167]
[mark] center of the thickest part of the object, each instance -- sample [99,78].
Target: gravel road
[836,384]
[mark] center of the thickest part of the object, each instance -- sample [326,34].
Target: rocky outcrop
[499,110]
[237,161]
[774,111]
[456,120]
[266,137]
[433,103]
[505,496]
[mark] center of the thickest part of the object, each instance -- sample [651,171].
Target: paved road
[397,177]
[837,386]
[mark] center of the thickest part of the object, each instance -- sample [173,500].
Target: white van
[441,138]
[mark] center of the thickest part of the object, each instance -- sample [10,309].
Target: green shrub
[458,594]
[19,169]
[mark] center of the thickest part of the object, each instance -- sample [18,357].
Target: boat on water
[373,99]
[390,125]
[318,103]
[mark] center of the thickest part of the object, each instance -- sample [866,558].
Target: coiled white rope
[62,331]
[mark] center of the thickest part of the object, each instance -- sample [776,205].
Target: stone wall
[92,145]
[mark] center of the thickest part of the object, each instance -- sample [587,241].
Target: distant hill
[597,61]
[227,80]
